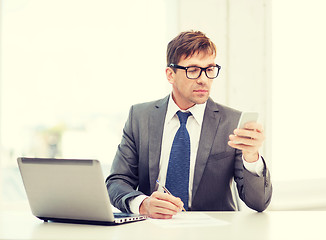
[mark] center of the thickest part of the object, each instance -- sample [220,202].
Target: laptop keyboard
[124,215]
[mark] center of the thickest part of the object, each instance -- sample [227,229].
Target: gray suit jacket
[136,165]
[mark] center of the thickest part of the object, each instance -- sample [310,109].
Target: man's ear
[170,75]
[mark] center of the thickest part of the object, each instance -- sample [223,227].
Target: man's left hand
[249,140]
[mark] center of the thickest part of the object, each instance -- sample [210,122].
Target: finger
[251,142]
[249,134]
[243,147]
[242,140]
[166,201]
[254,126]
[169,198]
[245,144]
[249,138]
[159,212]
[164,207]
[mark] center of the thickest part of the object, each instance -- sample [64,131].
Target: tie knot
[183,116]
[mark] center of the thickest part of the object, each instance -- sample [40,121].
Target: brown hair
[187,44]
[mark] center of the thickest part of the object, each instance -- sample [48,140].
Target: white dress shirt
[194,124]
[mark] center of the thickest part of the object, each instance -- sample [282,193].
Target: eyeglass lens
[195,72]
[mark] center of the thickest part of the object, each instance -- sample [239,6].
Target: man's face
[188,92]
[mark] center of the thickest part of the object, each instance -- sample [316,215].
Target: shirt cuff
[254,167]
[134,203]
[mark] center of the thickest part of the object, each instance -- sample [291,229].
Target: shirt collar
[197,111]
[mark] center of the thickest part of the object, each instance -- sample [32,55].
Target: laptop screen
[66,188]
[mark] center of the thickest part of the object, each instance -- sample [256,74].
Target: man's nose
[202,79]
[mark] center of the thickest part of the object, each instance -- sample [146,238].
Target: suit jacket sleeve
[254,191]
[123,179]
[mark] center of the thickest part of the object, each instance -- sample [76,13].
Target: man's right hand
[160,205]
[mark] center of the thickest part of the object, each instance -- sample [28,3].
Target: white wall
[240,29]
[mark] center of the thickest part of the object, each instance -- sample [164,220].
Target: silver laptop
[69,190]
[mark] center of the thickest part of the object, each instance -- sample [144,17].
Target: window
[298,90]
[298,100]
[70,72]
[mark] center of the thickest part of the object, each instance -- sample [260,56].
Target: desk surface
[240,225]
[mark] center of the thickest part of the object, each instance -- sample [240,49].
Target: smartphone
[247,117]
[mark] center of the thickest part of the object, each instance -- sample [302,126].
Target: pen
[168,192]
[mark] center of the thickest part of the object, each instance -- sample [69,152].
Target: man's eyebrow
[209,65]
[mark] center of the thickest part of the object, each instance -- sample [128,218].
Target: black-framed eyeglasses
[194,72]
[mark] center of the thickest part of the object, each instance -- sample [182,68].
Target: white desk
[242,226]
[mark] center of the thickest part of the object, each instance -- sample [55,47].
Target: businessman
[189,143]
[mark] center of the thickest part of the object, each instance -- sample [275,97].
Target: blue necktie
[177,177]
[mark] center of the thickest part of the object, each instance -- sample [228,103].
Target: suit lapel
[156,125]
[208,132]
